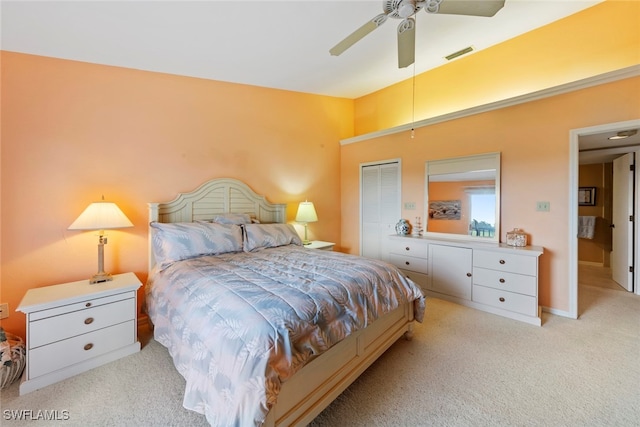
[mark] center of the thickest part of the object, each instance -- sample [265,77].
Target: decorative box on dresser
[492,277]
[77,326]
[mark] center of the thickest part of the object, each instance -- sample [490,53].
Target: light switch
[543,206]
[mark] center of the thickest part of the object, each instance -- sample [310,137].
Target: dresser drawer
[408,246]
[505,261]
[503,280]
[511,301]
[60,354]
[56,328]
[422,280]
[410,263]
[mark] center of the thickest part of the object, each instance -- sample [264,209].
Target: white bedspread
[238,325]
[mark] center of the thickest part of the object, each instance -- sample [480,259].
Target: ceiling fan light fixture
[406,9]
[623,134]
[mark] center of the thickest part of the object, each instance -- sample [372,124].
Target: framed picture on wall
[586,196]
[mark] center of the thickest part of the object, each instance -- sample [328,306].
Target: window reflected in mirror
[463,197]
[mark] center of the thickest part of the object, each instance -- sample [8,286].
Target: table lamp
[101,216]
[306,214]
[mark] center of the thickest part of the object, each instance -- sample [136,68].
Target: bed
[264,331]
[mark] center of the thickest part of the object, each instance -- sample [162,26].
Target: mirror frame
[460,165]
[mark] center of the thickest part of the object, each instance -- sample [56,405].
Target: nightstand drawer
[410,263]
[89,303]
[518,303]
[56,328]
[49,358]
[511,282]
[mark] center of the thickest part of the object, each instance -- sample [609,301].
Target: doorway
[596,139]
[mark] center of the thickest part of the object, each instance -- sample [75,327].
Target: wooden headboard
[221,195]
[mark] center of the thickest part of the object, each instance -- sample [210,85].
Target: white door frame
[574,148]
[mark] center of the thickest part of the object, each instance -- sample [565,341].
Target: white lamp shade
[306,212]
[101,216]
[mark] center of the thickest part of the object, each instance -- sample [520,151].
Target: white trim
[574,148]
[611,76]
[557,312]
[397,160]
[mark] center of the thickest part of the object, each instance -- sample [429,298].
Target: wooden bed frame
[316,385]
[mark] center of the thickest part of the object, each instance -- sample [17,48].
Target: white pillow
[232,218]
[173,242]
[261,236]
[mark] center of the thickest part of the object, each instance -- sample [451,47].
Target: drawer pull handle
[407,248]
[88,304]
[468,274]
[501,299]
[502,280]
[502,261]
[407,262]
[88,346]
[88,320]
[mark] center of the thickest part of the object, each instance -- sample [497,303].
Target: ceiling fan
[405,10]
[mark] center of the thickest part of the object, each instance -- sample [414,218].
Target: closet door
[379,206]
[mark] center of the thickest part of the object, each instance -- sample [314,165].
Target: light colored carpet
[463,368]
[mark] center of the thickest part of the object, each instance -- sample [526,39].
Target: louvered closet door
[380,206]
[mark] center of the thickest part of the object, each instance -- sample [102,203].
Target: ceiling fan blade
[406,42]
[358,34]
[467,7]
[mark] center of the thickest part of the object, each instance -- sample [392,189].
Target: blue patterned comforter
[239,324]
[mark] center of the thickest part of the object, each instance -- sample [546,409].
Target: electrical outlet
[409,205]
[4,310]
[543,206]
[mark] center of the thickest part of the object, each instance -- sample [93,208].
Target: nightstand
[318,244]
[74,327]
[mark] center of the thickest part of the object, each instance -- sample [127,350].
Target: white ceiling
[598,148]
[276,44]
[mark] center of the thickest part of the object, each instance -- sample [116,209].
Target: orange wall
[533,138]
[603,38]
[72,132]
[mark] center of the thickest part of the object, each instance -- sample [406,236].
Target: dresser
[77,326]
[492,277]
[410,255]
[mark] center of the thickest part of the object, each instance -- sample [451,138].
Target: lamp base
[100,278]
[306,242]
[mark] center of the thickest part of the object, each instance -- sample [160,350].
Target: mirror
[463,198]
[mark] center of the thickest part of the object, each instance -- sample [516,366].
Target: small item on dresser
[417,229]
[516,237]
[403,227]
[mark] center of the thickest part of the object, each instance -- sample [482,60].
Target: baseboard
[591,263]
[557,312]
